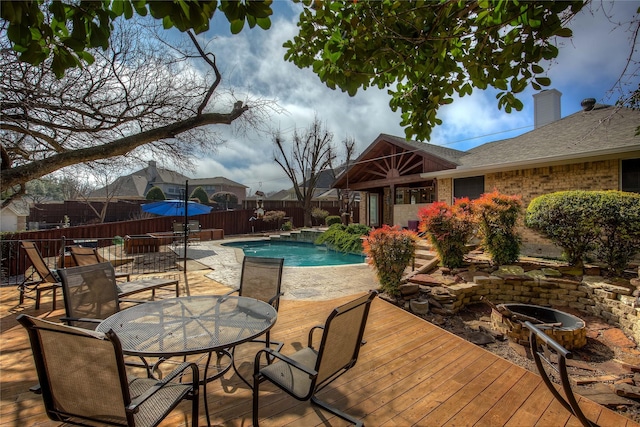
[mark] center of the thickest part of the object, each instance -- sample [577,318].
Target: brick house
[593,149]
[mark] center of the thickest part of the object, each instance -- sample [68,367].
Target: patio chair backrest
[261,278]
[194,225]
[85,256]
[81,372]
[342,338]
[89,291]
[34,255]
[178,227]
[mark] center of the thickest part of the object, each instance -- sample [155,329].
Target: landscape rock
[627,390]
[419,307]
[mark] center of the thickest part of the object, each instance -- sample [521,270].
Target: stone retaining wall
[614,304]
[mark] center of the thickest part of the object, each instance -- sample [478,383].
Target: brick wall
[534,182]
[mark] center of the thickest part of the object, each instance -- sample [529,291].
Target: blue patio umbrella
[183,208]
[176,208]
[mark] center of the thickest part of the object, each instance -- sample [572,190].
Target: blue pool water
[296,254]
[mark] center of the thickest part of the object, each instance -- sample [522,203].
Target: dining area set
[113,360]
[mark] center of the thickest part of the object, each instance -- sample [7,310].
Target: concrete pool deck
[298,283]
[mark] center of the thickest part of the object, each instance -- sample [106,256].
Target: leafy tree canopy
[424,52]
[66,31]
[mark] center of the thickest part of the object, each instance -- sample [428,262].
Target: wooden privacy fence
[49,241]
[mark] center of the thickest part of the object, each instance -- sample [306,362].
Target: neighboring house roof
[605,130]
[18,208]
[217,181]
[137,184]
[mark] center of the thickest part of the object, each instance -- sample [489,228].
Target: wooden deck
[410,373]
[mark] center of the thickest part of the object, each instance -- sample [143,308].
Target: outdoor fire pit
[567,329]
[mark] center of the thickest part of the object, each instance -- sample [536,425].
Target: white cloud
[588,66]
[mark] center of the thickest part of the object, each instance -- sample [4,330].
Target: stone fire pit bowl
[571,333]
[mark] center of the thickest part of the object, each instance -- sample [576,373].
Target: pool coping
[298,283]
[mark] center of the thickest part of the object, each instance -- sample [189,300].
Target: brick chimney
[546,107]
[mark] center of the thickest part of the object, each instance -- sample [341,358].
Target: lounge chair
[546,349]
[47,280]
[88,256]
[83,379]
[306,372]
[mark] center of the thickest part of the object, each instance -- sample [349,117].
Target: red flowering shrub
[496,216]
[390,250]
[449,228]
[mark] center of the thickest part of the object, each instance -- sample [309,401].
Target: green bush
[344,238]
[390,251]
[287,226]
[319,215]
[200,194]
[333,219]
[449,228]
[568,219]
[156,193]
[618,216]
[496,215]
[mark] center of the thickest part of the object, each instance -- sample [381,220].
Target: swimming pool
[296,254]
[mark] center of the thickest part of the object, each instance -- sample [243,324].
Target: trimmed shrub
[332,219]
[389,251]
[496,215]
[568,219]
[319,215]
[344,238]
[449,229]
[200,194]
[618,216]
[155,193]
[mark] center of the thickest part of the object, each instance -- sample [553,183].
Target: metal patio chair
[83,379]
[90,294]
[88,256]
[261,278]
[306,372]
[546,349]
[47,280]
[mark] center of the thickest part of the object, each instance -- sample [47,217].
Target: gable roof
[605,130]
[391,157]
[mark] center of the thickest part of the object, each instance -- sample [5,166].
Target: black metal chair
[83,379]
[306,372]
[546,349]
[261,278]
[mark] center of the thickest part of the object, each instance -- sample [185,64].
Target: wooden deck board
[410,372]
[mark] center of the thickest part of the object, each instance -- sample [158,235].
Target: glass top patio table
[189,325]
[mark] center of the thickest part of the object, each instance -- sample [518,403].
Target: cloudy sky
[589,65]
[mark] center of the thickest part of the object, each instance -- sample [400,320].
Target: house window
[412,196]
[373,210]
[631,175]
[472,187]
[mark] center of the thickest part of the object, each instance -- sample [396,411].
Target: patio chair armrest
[287,360]
[133,301]
[275,298]
[79,319]
[195,373]
[311,331]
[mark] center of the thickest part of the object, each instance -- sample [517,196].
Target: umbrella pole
[186,223]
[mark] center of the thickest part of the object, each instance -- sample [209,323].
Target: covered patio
[410,372]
